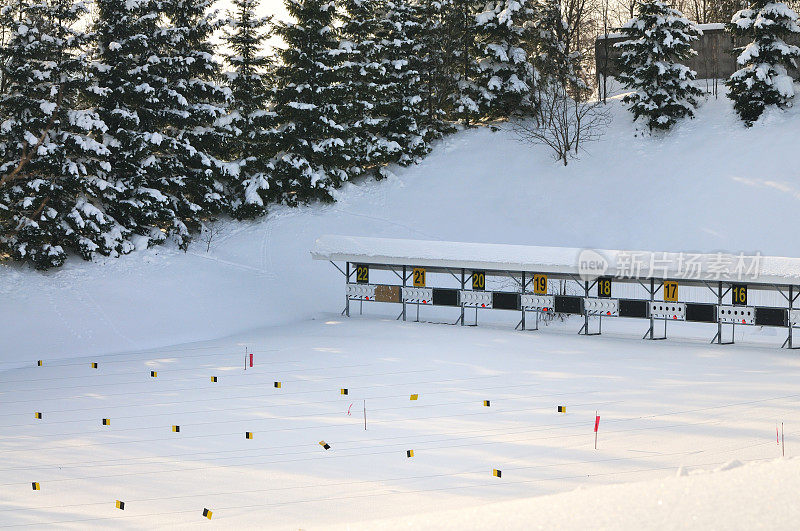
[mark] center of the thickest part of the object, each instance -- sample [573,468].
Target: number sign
[739,294]
[418,276]
[540,284]
[604,287]
[479,280]
[362,274]
[670,291]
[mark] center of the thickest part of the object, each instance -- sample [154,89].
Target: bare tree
[563,124]
[209,230]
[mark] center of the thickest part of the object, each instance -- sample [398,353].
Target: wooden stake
[365,414]
[783,445]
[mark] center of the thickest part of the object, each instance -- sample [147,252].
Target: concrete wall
[715,56]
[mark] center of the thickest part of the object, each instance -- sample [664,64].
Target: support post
[463,283]
[719,322]
[521,306]
[652,300]
[789,315]
[585,313]
[401,296]
[347,281]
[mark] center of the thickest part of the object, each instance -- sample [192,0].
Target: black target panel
[445,297]
[633,308]
[701,313]
[568,304]
[505,301]
[771,316]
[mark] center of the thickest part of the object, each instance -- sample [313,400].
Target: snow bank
[755,496]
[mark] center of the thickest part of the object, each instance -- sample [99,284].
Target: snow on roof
[747,268]
[701,27]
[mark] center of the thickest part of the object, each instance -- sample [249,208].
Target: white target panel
[795,318]
[737,314]
[418,295]
[608,307]
[476,299]
[542,303]
[361,291]
[673,311]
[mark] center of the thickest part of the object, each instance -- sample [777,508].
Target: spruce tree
[506,75]
[194,99]
[56,203]
[462,28]
[659,38]
[363,76]
[250,123]
[763,79]
[129,86]
[400,103]
[312,156]
[434,37]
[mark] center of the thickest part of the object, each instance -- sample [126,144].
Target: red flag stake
[596,426]
[251,360]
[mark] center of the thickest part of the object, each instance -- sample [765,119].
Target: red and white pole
[596,427]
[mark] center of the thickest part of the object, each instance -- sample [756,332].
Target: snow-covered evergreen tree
[250,123]
[194,99]
[363,77]
[400,102]
[506,75]
[659,38]
[56,204]
[129,86]
[434,39]
[762,78]
[312,156]
[462,29]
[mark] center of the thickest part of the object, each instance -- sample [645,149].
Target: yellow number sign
[479,280]
[418,276]
[670,291]
[739,294]
[362,274]
[540,284]
[604,287]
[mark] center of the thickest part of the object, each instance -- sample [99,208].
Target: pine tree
[658,39]
[312,156]
[57,202]
[364,76]
[506,75]
[434,41]
[467,95]
[250,146]
[129,86]
[762,79]
[400,102]
[194,100]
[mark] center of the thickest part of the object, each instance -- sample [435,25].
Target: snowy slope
[709,185]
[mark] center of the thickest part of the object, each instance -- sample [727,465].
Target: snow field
[663,405]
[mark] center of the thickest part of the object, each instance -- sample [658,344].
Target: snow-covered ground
[709,185]
[663,406]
